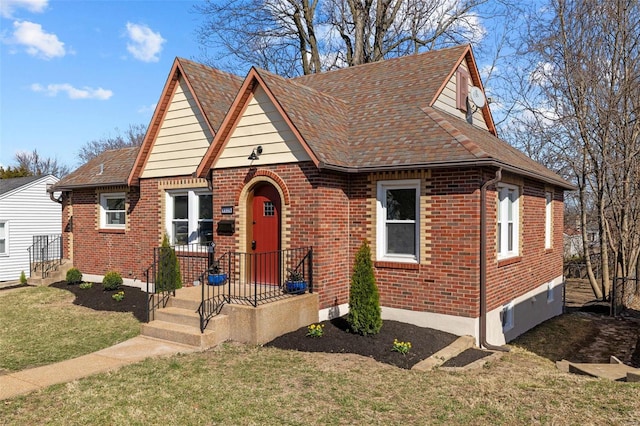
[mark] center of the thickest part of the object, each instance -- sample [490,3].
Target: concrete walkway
[128,352]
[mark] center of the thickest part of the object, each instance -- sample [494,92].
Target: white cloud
[144,44]
[37,42]
[73,92]
[8,6]
[147,108]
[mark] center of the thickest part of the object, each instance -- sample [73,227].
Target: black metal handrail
[253,279]
[162,280]
[45,254]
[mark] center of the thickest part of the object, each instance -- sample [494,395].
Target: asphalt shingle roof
[7,185]
[108,168]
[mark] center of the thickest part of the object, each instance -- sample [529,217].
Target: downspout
[483,264]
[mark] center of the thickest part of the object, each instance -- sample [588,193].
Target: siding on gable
[261,125]
[182,139]
[29,211]
[447,102]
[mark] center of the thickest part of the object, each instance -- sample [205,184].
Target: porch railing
[45,254]
[252,279]
[162,280]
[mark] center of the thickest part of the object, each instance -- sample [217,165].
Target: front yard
[240,384]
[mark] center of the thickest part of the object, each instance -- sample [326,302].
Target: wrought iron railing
[45,254]
[623,292]
[163,278]
[253,279]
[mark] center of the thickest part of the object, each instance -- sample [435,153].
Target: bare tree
[583,88]
[37,165]
[292,37]
[133,136]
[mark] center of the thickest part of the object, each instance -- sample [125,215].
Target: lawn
[246,385]
[42,325]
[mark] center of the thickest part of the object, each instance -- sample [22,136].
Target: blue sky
[72,71]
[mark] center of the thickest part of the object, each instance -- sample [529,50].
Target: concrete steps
[59,274]
[179,322]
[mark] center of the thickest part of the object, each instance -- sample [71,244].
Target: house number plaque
[226,209]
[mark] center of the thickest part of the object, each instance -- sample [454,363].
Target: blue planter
[296,287]
[217,279]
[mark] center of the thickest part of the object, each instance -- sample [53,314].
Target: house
[465,230]
[26,211]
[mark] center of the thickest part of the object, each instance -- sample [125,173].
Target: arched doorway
[264,222]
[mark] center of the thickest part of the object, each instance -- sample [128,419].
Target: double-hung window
[189,217]
[112,210]
[4,238]
[508,221]
[398,220]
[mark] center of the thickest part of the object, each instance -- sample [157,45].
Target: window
[507,317]
[112,210]
[548,220]
[4,236]
[189,217]
[398,220]
[508,221]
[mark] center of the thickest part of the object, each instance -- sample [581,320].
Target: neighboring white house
[25,210]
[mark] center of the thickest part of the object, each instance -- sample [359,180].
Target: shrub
[74,276]
[23,278]
[168,276]
[85,286]
[112,281]
[118,296]
[365,315]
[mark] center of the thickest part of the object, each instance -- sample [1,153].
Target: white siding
[29,211]
[261,124]
[182,140]
[447,102]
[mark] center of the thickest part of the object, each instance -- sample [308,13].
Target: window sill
[111,231]
[396,265]
[509,261]
[548,250]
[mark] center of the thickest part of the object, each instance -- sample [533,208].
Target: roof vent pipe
[483,264]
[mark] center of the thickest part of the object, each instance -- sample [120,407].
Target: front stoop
[179,322]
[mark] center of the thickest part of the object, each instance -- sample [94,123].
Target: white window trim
[381,214]
[193,206]
[548,220]
[103,210]
[503,235]
[6,238]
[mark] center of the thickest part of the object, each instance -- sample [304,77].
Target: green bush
[168,275]
[74,276]
[23,278]
[85,286]
[365,315]
[112,281]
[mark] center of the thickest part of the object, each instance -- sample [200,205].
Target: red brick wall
[332,212]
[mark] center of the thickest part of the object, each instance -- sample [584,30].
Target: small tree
[23,278]
[364,301]
[168,275]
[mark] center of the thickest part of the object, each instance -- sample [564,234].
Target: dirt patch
[338,339]
[466,357]
[135,300]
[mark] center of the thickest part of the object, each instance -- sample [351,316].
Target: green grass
[246,385]
[41,325]
[239,384]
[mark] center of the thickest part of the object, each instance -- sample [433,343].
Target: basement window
[507,317]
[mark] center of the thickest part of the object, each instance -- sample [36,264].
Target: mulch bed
[135,300]
[337,339]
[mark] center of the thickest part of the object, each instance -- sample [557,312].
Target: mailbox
[226,227]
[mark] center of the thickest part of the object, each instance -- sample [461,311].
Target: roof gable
[10,186]
[212,90]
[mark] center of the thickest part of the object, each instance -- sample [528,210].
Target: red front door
[265,245]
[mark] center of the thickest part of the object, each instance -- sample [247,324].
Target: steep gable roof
[213,91]
[109,168]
